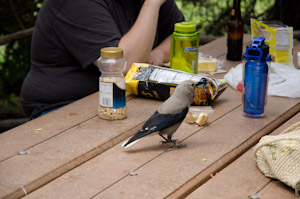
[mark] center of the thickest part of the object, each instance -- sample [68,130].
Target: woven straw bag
[278,156]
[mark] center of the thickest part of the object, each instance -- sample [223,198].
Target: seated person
[69,35]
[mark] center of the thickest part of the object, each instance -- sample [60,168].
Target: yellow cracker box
[278,36]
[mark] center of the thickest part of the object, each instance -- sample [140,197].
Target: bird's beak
[197,84]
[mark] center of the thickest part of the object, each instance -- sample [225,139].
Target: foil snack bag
[159,83]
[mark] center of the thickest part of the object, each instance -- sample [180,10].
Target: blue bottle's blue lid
[258,50]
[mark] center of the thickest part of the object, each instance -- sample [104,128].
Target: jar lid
[111,52]
[185,27]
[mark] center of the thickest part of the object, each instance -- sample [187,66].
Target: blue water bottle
[256,63]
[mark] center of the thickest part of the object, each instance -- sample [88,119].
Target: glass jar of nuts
[112,102]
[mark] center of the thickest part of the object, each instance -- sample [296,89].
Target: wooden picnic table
[71,153]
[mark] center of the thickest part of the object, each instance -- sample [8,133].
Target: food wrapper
[199,119]
[207,64]
[159,83]
[198,115]
[278,36]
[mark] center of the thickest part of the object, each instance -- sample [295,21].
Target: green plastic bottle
[184,47]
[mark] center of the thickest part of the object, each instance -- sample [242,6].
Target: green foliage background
[216,13]
[16,15]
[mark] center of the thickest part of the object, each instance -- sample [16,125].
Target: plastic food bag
[208,63]
[278,36]
[283,80]
[160,82]
[198,115]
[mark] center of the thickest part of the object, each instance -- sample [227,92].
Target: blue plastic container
[255,77]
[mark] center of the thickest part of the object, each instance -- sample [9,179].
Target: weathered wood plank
[161,172]
[276,189]
[61,153]
[243,178]
[43,128]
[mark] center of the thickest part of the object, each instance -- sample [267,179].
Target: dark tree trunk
[286,11]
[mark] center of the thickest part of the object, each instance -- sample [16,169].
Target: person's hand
[156,57]
[142,33]
[161,54]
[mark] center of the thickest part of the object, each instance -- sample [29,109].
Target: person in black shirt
[69,35]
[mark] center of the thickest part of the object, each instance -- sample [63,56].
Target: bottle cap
[111,52]
[257,50]
[185,27]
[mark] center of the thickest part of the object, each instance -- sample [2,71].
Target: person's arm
[161,53]
[138,42]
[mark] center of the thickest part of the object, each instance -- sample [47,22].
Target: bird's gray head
[186,88]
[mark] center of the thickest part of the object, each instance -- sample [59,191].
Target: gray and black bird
[169,116]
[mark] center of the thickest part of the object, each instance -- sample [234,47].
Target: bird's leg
[166,140]
[169,140]
[177,145]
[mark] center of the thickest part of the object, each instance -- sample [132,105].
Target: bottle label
[282,39]
[191,56]
[191,49]
[112,95]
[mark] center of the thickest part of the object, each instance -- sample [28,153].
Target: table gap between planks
[71,153]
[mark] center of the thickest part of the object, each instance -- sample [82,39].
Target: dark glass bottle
[235,33]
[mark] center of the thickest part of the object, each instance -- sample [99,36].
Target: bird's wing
[158,122]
